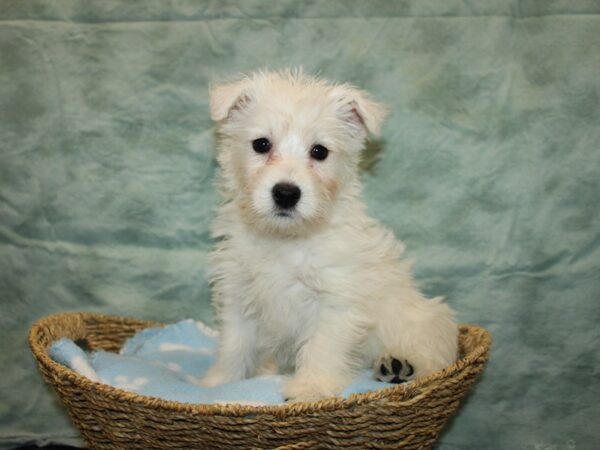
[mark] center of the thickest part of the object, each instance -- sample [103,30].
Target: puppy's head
[290,146]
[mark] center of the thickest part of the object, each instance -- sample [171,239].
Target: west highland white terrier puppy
[303,279]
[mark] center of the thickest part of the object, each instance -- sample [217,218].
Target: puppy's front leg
[236,358]
[325,364]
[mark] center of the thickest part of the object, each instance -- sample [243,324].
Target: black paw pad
[383,370]
[394,370]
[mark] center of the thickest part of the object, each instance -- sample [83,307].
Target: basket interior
[103,332]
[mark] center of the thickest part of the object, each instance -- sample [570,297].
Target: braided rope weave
[408,416]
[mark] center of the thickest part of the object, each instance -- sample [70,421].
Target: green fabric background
[488,169]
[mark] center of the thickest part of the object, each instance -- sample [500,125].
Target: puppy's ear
[225,98]
[359,111]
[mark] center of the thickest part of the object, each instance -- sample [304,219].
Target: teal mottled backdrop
[489,171]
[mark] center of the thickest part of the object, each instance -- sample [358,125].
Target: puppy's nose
[286,195]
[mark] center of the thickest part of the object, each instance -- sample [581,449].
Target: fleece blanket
[169,362]
[487,168]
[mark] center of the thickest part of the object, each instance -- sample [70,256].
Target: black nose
[286,195]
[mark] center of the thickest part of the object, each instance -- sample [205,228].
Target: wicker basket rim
[41,354]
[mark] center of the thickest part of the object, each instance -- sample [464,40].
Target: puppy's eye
[261,145]
[319,152]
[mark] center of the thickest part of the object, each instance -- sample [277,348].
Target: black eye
[319,152]
[261,145]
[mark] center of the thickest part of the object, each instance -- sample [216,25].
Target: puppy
[302,276]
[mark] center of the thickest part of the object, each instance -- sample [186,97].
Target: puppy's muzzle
[286,195]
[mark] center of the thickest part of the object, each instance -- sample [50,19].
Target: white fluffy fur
[323,292]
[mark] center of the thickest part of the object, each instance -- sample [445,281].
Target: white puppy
[302,277]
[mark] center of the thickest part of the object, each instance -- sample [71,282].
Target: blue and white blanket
[169,362]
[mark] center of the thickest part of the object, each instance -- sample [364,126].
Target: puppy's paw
[214,377]
[310,389]
[393,370]
[268,368]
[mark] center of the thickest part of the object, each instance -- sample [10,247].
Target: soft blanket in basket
[168,363]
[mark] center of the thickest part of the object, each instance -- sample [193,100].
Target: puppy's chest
[286,285]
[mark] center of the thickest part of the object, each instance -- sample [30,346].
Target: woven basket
[405,416]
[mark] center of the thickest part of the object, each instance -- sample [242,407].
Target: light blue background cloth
[487,168]
[168,362]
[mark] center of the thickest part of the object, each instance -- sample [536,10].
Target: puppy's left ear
[359,110]
[224,98]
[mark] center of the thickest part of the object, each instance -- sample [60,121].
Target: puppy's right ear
[225,98]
